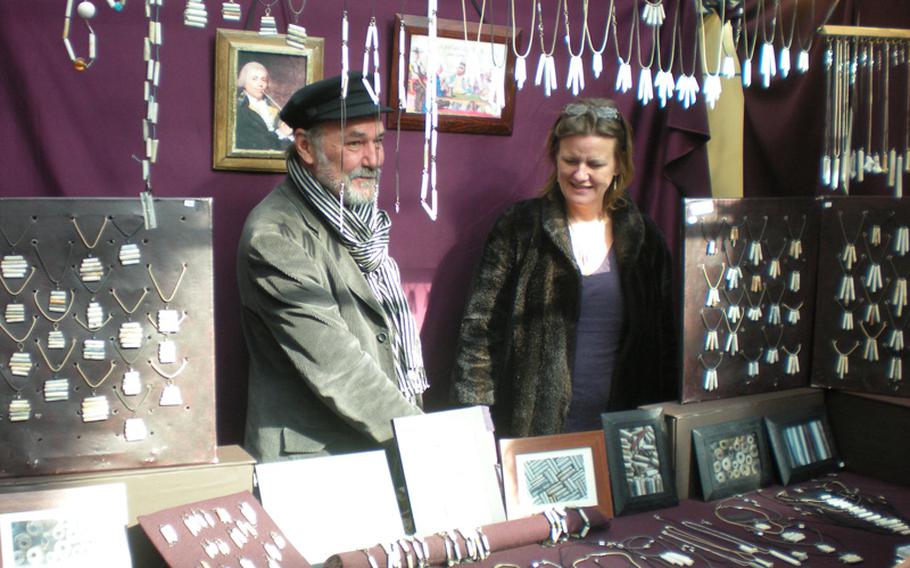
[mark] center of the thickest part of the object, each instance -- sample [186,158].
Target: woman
[571,314]
[258,125]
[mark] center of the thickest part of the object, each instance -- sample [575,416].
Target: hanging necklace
[802,60]
[296,36]
[645,83]
[842,368]
[772,353]
[86,11]
[431,120]
[752,363]
[754,313]
[791,365]
[597,62]
[624,74]
[195,14]
[848,255]
[712,341]
[711,88]
[521,68]
[686,83]
[575,80]
[713,297]
[267,25]
[870,347]
[546,65]
[710,380]
[732,344]
[231,11]
[464,20]
[774,308]
[20,409]
[734,307]
[783,61]
[766,60]
[749,49]
[664,81]
[371,54]
[151,54]
[899,290]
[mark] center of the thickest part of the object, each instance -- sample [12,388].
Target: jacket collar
[355,280]
[628,229]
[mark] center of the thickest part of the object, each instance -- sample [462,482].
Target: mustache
[365,172]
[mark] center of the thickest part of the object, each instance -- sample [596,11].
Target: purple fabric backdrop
[70,134]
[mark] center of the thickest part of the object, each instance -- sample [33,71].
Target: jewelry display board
[749,269]
[230,531]
[106,335]
[862,308]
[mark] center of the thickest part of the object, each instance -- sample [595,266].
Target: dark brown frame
[454,29]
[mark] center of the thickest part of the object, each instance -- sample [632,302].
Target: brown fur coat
[517,338]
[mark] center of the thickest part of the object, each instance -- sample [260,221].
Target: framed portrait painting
[255,76]
[475,93]
[563,470]
[732,458]
[641,474]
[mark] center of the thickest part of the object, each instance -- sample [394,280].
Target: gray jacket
[322,377]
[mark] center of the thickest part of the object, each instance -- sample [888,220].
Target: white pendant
[13,266]
[14,313]
[169,321]
[521,72]
[129,254]
[94,350]
[132,383]
[95,409]
[624,77]
[135,430]
[231,11]
[56,390]
[20,364]
[171,396]
[91,269]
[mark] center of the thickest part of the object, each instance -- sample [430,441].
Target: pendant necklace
[796,243]
[842,368]
[20,409]
[749,49]
[267,25]
[296,36]
[752,363]
[371,55]
[499,96]
[231,11]
[710,380]
[868,162]
[134,429]
[766,60]
[870,347]
[873,279]
[428,195]
[772,353]
[129,254]
[597,61]
[521,68]
[546,64]
[774,267]
[873,313]
[86,11]
[711,89]
[686,83]
[624,74]
[754,245]
[791,365]
[663,81]
[754,312]
[95,408]
[195,14]
[711,241]
[712,340]
[848,255]
[898,290]
[645,82]
[802,60]
[151,54]
[793,312]
[575,81]
[734,307]
[784,60]
[732,344]
[712,300]
[774,308]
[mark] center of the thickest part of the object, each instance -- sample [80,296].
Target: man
[334,350]
[258,127]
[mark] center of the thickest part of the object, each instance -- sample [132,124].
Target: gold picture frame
[251,139]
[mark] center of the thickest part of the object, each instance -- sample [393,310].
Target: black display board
[862,308]
[106,335]
[759,255]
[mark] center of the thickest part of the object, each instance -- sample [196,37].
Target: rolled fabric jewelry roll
[501,536]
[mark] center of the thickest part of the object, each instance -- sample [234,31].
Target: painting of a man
[258,126]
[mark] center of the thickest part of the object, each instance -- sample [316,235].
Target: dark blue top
[596,345]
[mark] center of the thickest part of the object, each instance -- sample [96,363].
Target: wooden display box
[871,433]
[683,418]
[153,489]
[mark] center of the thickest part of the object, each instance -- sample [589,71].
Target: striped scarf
[366,236]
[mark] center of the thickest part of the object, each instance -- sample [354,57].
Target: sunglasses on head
[603,112]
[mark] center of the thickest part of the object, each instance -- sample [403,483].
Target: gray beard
[351,196]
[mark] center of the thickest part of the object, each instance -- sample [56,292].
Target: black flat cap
[321,101]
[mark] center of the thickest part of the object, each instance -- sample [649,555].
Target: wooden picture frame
[638,452]
[248,138]
[562,470]
[732,457]
[472,70]
[803,444]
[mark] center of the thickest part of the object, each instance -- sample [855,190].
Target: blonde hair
[593,117]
